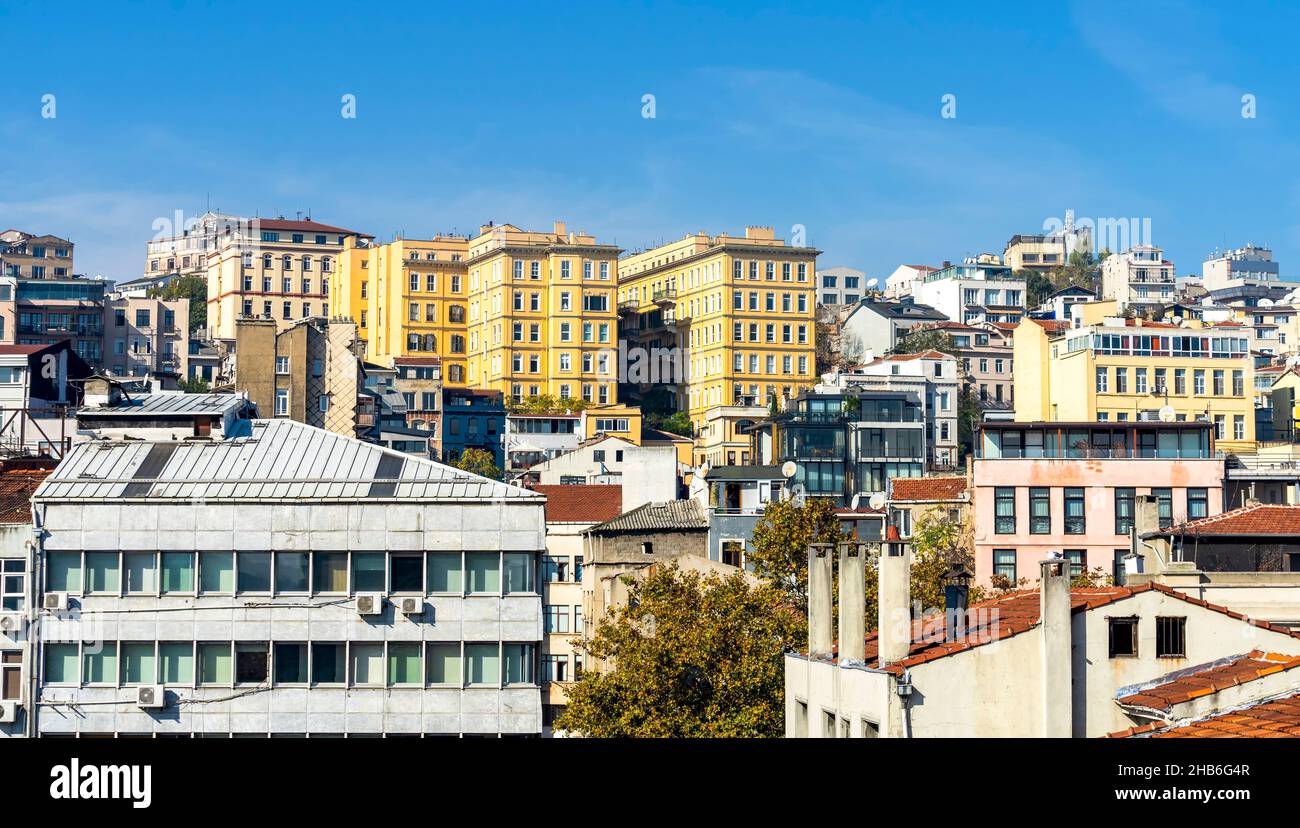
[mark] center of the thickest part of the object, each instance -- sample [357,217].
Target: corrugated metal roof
[656,517]
[152,405]
[281,460]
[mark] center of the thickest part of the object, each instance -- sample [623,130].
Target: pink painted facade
[1097,479]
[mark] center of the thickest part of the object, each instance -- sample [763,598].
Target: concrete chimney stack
[1056,654]
[853,602]
[820,602]
[1146,518]
[894,623]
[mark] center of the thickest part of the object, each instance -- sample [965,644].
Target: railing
[1099,453]
[668,294]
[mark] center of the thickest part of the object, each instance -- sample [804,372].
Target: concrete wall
[371,526]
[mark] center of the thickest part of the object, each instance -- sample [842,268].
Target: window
[254,571]
[1075,521]
[443,664]
[102,573]
[330,572]
[519,572]
[1171,637]
[1004,510]
[290,663]
[217,572]
[281,402]
[141,572]
[1198,503]
[406,573]
[1124,500]
[367,571]
[252,662]
[61,664]
[404,663]
[1004,564]
[291,572]
[99,664]
[327,664]
[1102,373]
[483,573]
[176,662]
[367,664]
[1123,637]
[1078,559]
[63,573]
[482,664]
[215,664]
[1040,511]
[1165,498]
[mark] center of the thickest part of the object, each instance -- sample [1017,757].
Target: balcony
[665,297]
[628,306]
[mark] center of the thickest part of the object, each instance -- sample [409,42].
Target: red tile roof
[16,488]
[1187,686]
[1017,612]
[927,488]
[1279,718]
[410,360]
[307,226]
[1259,520]
[1052,325]
[588,503]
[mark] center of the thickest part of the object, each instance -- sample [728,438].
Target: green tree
[968,419]
[545,404]
[194,385]
[480,462]
[690,656]
[679,422]
[192,287]
[924,339]
[780,540]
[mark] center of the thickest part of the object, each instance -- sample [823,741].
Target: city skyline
[525,118]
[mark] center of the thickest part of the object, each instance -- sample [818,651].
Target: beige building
[29,256]
[144,337]
[570,511]
[272,269]
[308,372]
[1054,662]
[1140,276]
[185,253]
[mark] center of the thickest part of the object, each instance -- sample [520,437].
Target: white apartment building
[979,289]
[283,580]
[1251,265]
[1139,276]
[903,280]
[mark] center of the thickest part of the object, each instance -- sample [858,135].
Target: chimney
[820,643]
[853,602]
[894,622]
[956,601]
[1146,518]
[1056,655]
[559,228]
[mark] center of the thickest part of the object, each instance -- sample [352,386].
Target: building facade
[273,269]
[840,286]
[739,312]
[1116,369]
[1140,277]
[30,256]
[979,289]
[1073,488]
[146,337]
[315,586]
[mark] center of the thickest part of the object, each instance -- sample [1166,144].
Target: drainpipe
[36,573]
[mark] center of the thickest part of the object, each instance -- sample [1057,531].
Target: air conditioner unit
[56,601]
[150,697]
[10,625]
[370,603]
[410,606]
[8,712]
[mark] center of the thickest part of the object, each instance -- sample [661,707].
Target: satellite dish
[1207,302]
[704,469]
[853,503]
[876,501]
[789,468]
[1266,303]
[871,283]
[1167,414]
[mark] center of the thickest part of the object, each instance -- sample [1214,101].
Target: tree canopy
[479,461]
[192,287]
[690,655]
[924,339]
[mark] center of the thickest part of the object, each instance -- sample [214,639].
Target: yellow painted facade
[1116,370]
[542,317]
[742,308]
[409,297]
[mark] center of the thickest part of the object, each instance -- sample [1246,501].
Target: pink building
[1072,488]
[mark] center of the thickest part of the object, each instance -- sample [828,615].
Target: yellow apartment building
[542,317]
[739,309]
[272,269]
[409,298]
[1117,369]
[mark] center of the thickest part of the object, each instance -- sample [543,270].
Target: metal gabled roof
[280,460]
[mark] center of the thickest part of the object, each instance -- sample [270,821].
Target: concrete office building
[284,580]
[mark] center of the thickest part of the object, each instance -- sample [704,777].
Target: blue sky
[825,115]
